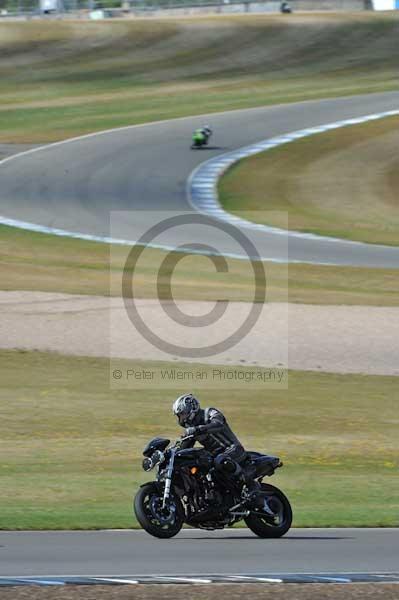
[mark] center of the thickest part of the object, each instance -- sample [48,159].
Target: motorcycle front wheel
[265,526]
[158,522]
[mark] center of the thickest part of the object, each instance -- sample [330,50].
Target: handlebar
[183,439]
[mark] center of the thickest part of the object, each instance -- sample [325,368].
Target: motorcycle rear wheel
[263,526]
[148,511]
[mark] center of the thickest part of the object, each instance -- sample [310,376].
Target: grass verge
[79,77]
[42,262]
[71,447]
[342,183]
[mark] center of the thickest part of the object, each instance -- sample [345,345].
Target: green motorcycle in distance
[201,137]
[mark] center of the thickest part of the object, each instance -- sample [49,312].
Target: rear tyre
[161,523]
[267,527]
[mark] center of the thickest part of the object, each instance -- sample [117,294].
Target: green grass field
[41,262]
[343,183]
[71,447]
[76,77]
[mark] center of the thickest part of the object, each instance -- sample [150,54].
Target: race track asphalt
[236,551]
[74,186]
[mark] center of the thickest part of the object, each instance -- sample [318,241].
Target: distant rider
[209,427]
[202,135]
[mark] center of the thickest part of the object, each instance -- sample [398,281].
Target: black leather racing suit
[212,431]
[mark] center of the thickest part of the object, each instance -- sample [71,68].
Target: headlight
[147,464]
[156,458]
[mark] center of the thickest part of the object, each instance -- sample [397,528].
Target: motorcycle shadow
[212,148]
[287,537]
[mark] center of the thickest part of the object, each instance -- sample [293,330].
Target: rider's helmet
[207,130]
[185,408]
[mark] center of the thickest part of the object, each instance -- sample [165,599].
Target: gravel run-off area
[285,591]
[337,339]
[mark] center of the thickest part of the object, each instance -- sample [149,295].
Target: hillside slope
[66,78]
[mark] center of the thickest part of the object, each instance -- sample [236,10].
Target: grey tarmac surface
[236,551]
[10,149]
[74,186]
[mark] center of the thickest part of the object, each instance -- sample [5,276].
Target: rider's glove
[191,430]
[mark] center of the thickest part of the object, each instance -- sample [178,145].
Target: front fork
[168,479]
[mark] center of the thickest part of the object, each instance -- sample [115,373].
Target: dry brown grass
[342,183]
[129,71]
[34,261]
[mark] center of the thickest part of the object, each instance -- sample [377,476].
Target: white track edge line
[377,573]
[219,165]
[217,210]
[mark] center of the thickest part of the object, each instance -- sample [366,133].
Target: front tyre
[265,526]
[161,523]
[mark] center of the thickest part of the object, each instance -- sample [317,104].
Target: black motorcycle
[188,489]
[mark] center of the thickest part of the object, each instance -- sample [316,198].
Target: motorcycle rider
[202,134]
[207,132]
[209,427]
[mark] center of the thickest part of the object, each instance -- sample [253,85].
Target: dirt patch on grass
[335,339]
